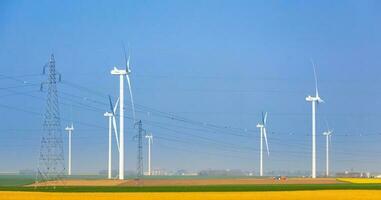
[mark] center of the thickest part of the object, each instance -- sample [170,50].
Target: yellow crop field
[295,195]
[360,180]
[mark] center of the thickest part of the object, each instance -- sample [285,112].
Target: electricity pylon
[51,164]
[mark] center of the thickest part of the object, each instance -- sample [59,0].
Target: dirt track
[186,182]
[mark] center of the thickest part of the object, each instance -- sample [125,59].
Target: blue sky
[217,62]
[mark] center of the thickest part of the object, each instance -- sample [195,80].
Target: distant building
[348,174]
[161,172]
[183,172]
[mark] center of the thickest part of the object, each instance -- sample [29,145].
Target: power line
[201,126]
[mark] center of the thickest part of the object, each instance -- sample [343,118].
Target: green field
[17,182]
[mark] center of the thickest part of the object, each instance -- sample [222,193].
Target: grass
[15,180]
[210,188]
[20,180]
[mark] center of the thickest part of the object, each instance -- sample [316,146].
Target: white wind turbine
[263,134]
[328,135]
[123,72]
[314,100]
[111,125]
[70,131]
[150,141]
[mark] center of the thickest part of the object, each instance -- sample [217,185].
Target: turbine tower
[111,125]
[121,73]
[328,135]
[70,131]
[150,141]
[263,134]
[110,116]
[314,101]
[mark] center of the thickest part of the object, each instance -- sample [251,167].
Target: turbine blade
[116,105]
[131,98]
[126,59]
[267,145]
[128,64]
[265,119]
[111,106]
[316,81]
[125,55]
[115,131]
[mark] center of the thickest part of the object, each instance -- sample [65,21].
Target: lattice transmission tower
[139,166]
[51,164]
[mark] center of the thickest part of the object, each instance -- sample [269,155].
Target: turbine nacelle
[316,99]
[71,128]
[107,114]
[117,71]
[150,138]
[327,133]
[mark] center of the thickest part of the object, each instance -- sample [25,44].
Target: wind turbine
[314,100]
[328,135]
[263,134]
[69,130]
[150,141]
[111,125]
[121,73]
